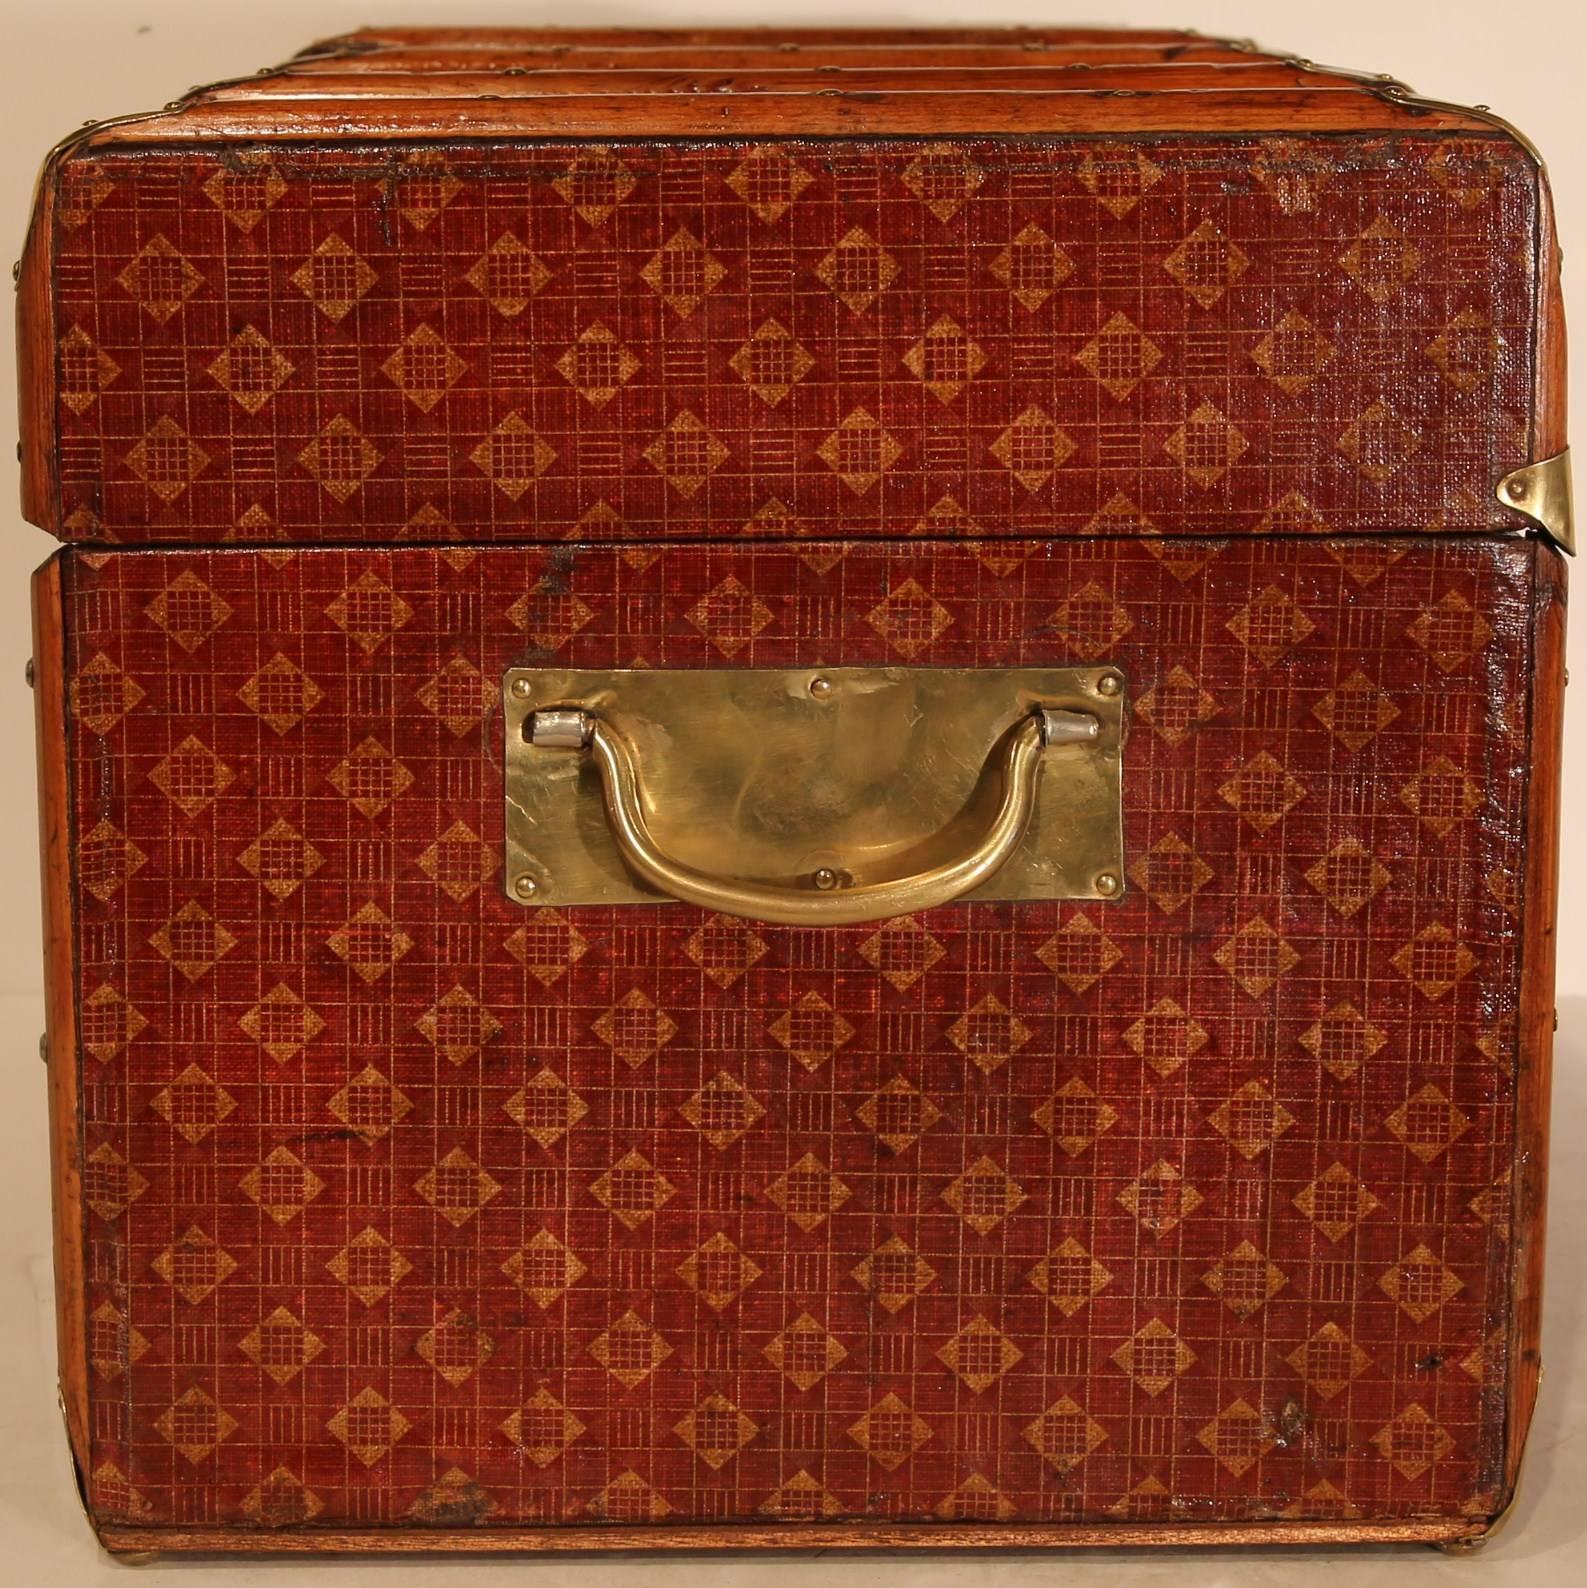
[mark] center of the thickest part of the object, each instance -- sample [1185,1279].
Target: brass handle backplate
[814,797]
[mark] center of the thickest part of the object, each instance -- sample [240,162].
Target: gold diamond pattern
[1381,260]
[547,1108]
[1256,957]
[460,695]
[1080,953]
[1033,267]
[334,279]
[686,454]
[194,1103]
[512,457]
[595,183]
[281,1023]
[630,1350]
[424,368]
[1065,1434]
[1033,448]
[282,1185]
[160,278]
[196,1424]
[194,1265]
[1090,622]
[1413,1442]
[1379,443]
[860,451]
[282,859]
[1160,1198]
[1293,354]
[369,1425]
[193,941]
[106,859]
[1166,1036]
[769,181]
[807,1192]
[988,1035]
[634,1029]
[1119,357]
[369,1266]
[370,943]
[1355,711]
[1118,176]
[894,1274]
[1428,1124]
[1467,350]
[858,270]
[281,693]
[1434,961]
[1070,1277]
[633,1190]
[1441,796]
[898,1114]
[1206,263]
[457,1188]
[458,1026]
[1175,706]
[370,1104]
[1451,631]
[984,1195]
[771,363]
[102,694]
[167,459]
[542,1428]
[251,368]
[1244,1280]
[1075,1117]
[1206,446]
[804,1353]
[716,1430]
[945,360]
[110,1185]
[1262,791]
[281,1345]
[1154,1357]
[1336,1202]
[1237,1438]
[459,862]
[1348,876]
[802,1499]
[1329,1361]
[113,1344]
[1343,1040]
[507,275]
[597,365]
[1271,626]
[890,1432]
[722,1110]
[811,1030]
[548,946]
[83,370]
[718,1272]
[628,1498]
[545,1270]
[370,778]
[192,777]
[1170,873]
[682,273]
[909,618]
[980,1354]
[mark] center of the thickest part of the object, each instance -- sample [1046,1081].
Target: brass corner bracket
[1541,492]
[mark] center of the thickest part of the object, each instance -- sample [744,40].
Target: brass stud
[825,878]
[525,886]
[522,688]
[820,688]
[1107,884]
[1109,684]
[1515,490]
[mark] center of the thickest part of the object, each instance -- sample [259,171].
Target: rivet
[525,887]
[1109,684]
[1107,884]
[820,688]
[825,877]
[1515,490]
[27,672]
[522,688]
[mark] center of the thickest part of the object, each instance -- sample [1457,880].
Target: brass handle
[825,903]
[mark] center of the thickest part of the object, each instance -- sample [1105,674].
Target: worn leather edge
[35,337]
[60,1002]
[1535,1031]
[1549,436]
[788,1536]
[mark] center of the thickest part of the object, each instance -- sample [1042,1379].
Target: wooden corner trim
[60,1001]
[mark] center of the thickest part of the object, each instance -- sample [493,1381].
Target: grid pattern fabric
[406,1204]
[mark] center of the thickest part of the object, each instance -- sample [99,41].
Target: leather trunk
[405,1203]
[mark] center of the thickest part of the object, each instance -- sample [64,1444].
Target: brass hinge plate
[1542,493]
[772,775]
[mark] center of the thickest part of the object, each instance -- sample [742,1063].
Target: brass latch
[814,797]
[1542,493]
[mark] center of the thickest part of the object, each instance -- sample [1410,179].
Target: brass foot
[1462,1546]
